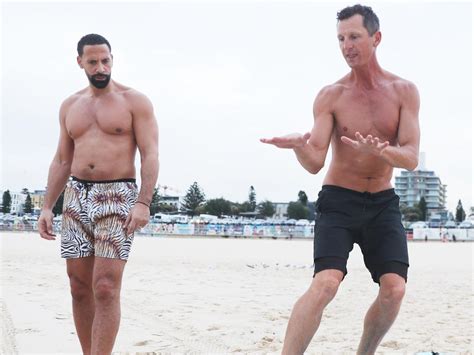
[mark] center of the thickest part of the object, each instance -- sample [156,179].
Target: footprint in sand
[393,344]
[28,330]
[272,318]
[142,343]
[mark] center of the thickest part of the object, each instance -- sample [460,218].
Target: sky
[221,75]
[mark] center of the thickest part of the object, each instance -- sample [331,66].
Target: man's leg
[107,281]
[382,312]
[308,310]
[80,272]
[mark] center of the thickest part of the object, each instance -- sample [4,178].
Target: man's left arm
[145,129]
[405,155]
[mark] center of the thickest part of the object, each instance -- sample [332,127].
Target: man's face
[357,46]
[96,61]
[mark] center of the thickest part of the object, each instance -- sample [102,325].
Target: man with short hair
[101,128]
[370,118]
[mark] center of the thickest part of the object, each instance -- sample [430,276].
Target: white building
[411,186]
[18,200]
[281,210]
[174,201]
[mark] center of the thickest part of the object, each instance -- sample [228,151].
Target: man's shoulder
[401,85]
[331,92]
[71,99]
[133,96]
[137,101]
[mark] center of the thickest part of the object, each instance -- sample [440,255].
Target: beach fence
[229,230]
[196,229]
[247,230]
[443,234]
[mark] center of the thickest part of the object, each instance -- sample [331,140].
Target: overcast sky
[223,75]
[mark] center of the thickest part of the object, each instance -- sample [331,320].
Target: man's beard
[99,84]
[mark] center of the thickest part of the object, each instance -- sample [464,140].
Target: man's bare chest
[109,116]
[377,114]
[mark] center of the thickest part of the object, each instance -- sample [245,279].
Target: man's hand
[45,225]
[371,145]
[138,218]
[290,141]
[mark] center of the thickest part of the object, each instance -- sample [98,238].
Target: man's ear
[378,38]
[79,62]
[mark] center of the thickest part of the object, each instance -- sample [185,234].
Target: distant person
[101,128]
[370,119]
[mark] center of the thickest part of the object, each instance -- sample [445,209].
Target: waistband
[73,178]
[383,193]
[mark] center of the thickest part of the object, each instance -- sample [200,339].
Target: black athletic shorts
[372,220]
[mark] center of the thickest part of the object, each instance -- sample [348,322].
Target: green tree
[266,208]
[252,199]
[218,207]
[235,208]
[58,206]
[194,198]
[201,209]
[296,210]
[410,214]
[244,207]
[460,214]
[164,207]
[423,209]
[28,206]
[6,202]
[303,198]
[155,202]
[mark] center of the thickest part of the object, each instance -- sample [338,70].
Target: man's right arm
[59,172]
[312,155]
[311,148]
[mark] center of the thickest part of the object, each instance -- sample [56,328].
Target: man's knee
[80,289]
[106,289]
[326,284]
[392,289]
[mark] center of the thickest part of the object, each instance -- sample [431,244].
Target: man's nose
[100,68]
[346,44]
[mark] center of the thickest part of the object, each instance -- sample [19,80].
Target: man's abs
[369,174]
[104,159]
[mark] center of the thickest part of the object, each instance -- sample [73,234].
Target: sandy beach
[216,295]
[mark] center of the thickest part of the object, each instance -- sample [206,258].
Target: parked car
[466,224]
[450,224]
[419,224]
[434,223]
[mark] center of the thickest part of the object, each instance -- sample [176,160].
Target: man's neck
[100,92]
[368,76]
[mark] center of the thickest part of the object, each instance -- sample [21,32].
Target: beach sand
[216,295]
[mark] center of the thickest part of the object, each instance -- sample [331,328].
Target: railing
[198,229]
[229,230]
[443,234]
[256,231]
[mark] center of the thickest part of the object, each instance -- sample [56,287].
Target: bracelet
[143,203]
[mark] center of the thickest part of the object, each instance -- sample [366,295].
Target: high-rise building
[411,186]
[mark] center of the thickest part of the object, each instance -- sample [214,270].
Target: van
[161,218]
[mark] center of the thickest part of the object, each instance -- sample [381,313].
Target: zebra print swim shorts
[93,217]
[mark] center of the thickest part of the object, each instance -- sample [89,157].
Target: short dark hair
[90,40]
[371,21]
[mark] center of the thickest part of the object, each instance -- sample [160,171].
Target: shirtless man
[370,117]
[101,128]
